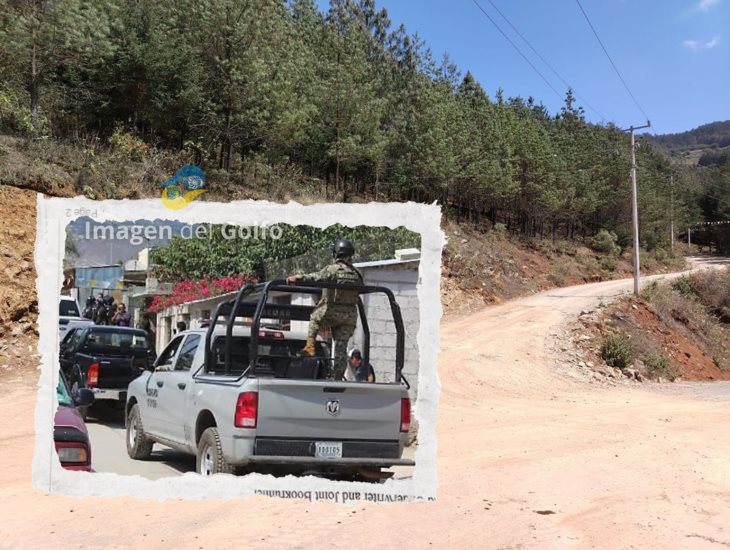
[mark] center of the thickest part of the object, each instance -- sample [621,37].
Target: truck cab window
[167,357]
[187,352]
[72,341]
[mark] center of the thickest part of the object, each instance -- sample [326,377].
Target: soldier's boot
[308,348]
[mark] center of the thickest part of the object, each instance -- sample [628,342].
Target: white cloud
[696,45]
[705,5]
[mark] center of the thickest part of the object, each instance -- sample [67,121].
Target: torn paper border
[53,216]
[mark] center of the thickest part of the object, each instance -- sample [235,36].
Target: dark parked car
[69,431]
[104,359]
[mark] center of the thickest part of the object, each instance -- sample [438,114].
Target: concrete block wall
[402,280]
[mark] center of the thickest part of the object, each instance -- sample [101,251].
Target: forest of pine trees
[344,97]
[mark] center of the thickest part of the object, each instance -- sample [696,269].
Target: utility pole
[671,218]
[634,204]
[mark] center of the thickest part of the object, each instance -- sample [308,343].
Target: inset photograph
[288,351]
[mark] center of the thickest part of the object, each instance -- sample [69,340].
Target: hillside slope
[714,134]
[706,145]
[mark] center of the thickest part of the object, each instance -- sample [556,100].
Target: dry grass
[693,311]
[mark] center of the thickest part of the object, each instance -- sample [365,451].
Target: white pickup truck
[240,398]
[69,316]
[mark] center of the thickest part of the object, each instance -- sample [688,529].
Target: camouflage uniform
[337,308]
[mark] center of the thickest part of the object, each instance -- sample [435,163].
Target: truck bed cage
[252,301]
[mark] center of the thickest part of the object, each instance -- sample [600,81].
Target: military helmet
[343,248]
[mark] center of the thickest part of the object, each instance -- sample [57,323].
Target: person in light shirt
[356,370]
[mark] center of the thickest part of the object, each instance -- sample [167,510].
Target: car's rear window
[115,342]
[67,308]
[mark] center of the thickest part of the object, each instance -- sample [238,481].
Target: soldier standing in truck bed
[338,307]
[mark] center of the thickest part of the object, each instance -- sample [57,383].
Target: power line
[545,61]
[516,48]
[611,60]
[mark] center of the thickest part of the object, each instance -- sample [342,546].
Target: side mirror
[84,397]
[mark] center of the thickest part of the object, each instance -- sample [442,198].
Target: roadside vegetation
[282,100]
[676,330]
[495,265]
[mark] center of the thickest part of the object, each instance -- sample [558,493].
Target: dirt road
[528,458]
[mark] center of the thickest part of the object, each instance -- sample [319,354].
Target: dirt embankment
[661,350]
[18,303]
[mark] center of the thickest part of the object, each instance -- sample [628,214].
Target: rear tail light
[271,334]
[72,453]
[92,375]
[247,409]
[405,415]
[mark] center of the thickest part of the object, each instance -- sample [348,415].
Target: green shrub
[684,286]
[660,254]
[650,291]
[558,273]
[605,242]
[129,145]
[712,288]
[15,115]
[624,236]
[565,247]
[608,263]
[500,229]
[650,240]
[617,350]
[659,365]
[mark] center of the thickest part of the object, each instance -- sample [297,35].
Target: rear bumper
[109,394]
[241,451]
[312,461]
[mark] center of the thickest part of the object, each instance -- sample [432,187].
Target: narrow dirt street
[529,456]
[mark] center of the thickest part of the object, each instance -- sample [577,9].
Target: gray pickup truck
[237,395]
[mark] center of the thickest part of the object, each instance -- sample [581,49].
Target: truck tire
[139,446]
[210,458]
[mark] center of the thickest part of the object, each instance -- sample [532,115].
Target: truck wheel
[139,446]
[210,454]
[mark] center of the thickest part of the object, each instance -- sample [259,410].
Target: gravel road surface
[528,458]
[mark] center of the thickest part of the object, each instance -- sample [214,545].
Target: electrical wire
[611,60]
[603,118]
[516,48]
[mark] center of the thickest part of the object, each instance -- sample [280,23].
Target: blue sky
[673,54]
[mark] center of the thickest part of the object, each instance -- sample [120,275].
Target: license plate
[328,449]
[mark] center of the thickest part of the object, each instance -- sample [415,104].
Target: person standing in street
[121,318]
